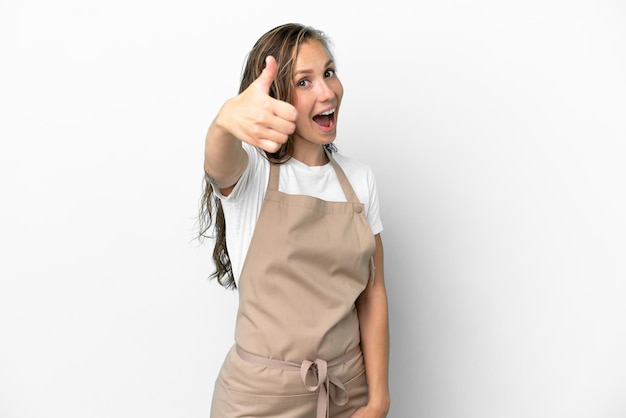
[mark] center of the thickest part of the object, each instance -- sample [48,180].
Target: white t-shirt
[243,205]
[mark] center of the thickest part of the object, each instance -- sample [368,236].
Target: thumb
[265,80]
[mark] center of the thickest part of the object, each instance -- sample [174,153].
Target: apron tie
[314,374]
[328,385]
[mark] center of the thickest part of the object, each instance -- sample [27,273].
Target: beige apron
[297,332]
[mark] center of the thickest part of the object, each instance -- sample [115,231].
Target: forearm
[224,158]
[375,346]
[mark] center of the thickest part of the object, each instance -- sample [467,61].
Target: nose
[325,91]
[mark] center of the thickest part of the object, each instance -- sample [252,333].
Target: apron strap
[274,176]
[343,179]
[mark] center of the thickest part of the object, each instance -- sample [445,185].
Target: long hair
[282,43]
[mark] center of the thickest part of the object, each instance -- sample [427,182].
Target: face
[317,95]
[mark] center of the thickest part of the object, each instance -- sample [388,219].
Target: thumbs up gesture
[257,118]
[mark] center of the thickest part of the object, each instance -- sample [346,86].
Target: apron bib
[297,331]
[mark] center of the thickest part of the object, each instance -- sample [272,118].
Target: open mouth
[325,119]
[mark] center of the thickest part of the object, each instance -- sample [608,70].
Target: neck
[310,154]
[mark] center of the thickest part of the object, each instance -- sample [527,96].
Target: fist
[257,118]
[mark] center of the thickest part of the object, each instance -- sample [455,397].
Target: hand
[368,412]
[257,118]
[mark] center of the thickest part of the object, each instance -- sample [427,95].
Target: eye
[330,73]
[303,83]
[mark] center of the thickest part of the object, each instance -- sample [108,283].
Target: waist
[315,376]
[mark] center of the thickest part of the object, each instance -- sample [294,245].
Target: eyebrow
[309,71]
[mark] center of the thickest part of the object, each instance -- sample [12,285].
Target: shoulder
[360,175]
[355,169]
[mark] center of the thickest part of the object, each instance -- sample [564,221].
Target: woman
[298,234]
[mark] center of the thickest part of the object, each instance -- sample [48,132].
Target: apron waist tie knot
[314,374]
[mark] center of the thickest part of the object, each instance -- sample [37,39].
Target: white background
[497,134]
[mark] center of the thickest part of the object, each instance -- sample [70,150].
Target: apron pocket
[268,405]
[357,380]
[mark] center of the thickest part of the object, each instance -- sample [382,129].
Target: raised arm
[253,117]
